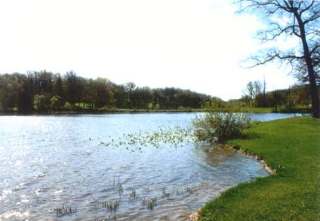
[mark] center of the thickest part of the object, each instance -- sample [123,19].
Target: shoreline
[100,112]
[137,111]
[290,151]
[195,216]
[255,156]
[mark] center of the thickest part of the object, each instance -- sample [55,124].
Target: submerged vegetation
[146,198]
[64,210]
[210,127]
[176,137]
[150,203]
[291,147]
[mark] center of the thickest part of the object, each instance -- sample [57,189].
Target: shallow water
[48,163]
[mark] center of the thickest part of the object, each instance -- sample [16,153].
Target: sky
[199,45]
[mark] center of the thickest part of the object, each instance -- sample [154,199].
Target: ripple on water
[56,163]
[15,215]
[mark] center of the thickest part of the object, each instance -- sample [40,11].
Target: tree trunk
[314,96]
[311,73]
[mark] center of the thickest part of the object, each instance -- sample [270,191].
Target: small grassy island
[292,148]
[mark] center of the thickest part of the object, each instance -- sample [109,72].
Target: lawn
[290,146]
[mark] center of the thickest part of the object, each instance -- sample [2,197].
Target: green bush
[41,102]
[56,102]
[217,127]
[67,106]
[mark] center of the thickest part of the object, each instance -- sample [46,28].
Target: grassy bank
[243,109]
[263,109]
[290,146]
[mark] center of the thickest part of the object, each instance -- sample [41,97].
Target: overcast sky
[191,44]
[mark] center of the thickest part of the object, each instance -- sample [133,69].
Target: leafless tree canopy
[286,19]
[281,19]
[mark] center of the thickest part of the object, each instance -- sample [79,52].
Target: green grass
[290,146]
[256,109]
[280,109]
[243,109]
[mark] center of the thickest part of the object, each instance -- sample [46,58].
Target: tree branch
[271,56]
[307,8]
[314,49]
[314,17]
[273,33]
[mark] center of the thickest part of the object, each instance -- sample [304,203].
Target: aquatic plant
[64,210]
[165,194]
[215,127]
[111,205]
[133,194]
[116,181]
[179,191]
[129,195]
[150,203]
[189,190]
[120,189]
[174,136]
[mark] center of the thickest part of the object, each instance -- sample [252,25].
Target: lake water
[58,168]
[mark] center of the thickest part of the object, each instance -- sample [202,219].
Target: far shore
[128,111]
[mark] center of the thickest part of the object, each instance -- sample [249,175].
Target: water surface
[53,162]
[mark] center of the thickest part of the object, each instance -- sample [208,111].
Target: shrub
[56,103]
[217,127]
[67,106]
[41,102]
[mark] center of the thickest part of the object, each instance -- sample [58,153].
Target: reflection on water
[55,168]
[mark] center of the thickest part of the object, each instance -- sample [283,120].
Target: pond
[58,168]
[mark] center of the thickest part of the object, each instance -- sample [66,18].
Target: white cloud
[195,44]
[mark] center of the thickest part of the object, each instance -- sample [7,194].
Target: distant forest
[294,99]
[49,92]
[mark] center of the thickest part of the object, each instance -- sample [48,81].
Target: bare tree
[250,90]
[253,90]
[291,18]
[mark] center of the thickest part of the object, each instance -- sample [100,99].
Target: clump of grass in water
[117,186]
[120,189]
[150,203]
[133,194]
[111,205]
[116,181]
[181,190]
[64,210]
[189,190]
[165,194]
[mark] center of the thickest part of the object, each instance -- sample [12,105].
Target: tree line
[255,96]
[45,91]
[294,98]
